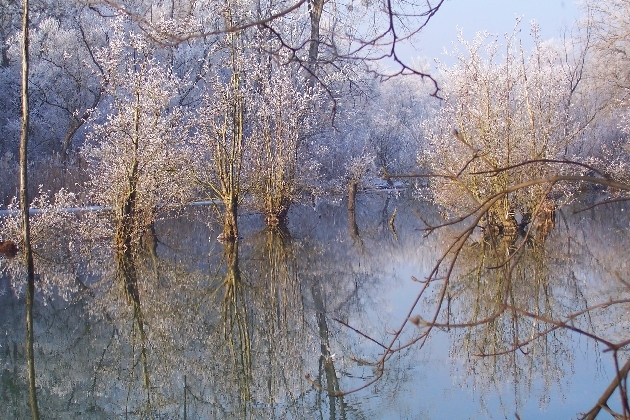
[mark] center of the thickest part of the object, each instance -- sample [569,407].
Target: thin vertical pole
[26,228]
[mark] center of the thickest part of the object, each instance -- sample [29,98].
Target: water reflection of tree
[61,327]
[247,317]
[326,380]
[127,278]
[230,331]
[597,242]
[151,334]
[349,288]
[514,302]
[233,323]
[494,281]
[276,300]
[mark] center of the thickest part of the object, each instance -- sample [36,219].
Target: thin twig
[360,333]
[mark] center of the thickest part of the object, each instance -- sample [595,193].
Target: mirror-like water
[282,322]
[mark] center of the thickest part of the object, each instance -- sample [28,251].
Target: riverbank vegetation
[140,112]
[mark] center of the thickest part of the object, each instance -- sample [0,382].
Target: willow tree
[499,112]
[218,141]
[133,148]
[608,27]
[283,111]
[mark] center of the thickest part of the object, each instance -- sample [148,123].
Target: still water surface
[192,329]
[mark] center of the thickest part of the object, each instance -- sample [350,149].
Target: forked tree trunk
[127,212]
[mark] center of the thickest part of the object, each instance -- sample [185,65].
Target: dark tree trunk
[352,194]
[315,11]
[125,225]
[127,217]
[26,228]
[4,52]
[353,227]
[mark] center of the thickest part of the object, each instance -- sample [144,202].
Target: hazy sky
[495,16]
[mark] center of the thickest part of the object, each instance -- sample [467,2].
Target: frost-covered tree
[64,76]
[133,148]
[217,145]
[9,23]
[249,133]
[393,119]
[284,110]
[327,31]
[608,26]
[9,75]
[501,110]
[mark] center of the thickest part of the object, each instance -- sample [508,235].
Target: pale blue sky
[495,16]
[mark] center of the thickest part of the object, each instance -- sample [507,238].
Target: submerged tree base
[539,228]
[276,220]
[275,211]
[230,221]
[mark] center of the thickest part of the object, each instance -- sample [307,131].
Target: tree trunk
[26,228]
[230,221]
[352,194]
[231,259]
[315,11]
[354,228]
[4,52]
[126,223]
[127,217]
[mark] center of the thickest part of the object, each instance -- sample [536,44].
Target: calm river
[285,323]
